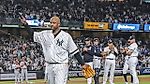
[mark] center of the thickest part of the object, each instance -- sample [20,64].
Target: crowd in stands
[11,48]
[118,12]
[77,10]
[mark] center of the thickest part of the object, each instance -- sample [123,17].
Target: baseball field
[144,79]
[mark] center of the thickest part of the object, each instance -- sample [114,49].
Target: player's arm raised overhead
[27,27]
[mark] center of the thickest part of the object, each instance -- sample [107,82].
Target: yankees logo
[59,43]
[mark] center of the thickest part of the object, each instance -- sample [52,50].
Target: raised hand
[23,20]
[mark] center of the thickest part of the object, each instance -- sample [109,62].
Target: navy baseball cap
[96,39]
[110,41]
[131,37]
[87,39]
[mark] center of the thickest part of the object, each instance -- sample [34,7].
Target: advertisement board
[11,76]
[35,22]
[147,27]
[96,25]
[126,27]
[117,73]
[46,24]
[145,71]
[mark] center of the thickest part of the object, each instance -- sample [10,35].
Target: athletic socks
[125,77]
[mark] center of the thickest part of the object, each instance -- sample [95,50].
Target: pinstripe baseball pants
[57,73]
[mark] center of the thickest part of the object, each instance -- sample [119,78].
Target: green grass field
[144,79]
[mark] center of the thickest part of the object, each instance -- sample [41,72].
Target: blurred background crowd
[78,10]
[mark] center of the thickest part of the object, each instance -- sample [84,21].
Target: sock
[125,77]
[131,79]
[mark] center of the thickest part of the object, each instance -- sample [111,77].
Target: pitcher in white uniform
[133,60]
[57,46]
[126,64]
[112,52]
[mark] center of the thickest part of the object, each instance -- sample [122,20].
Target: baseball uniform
[132,61]
[109,64]
[24,73]
[88,54]
[16,68]
[56,50]
[97,60]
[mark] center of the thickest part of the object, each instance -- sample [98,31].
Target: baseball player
[57,46]
[24,73]
[17,71]
[112,52]
[126,65]
[132,53]
[87,53]
[97,58]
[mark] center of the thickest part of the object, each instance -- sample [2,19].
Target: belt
[97,58]
[52,62]
[132,56]
[110,58]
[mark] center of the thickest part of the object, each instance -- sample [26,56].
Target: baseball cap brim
[87,39]
[110,41]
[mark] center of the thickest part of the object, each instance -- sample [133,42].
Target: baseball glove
[88,72]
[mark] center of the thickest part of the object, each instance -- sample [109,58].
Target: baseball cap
[131,37]
[87,39]
[96,39]
[110,41]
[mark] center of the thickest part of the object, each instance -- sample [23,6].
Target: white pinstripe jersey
[134,47]
[106,49]
[56,49]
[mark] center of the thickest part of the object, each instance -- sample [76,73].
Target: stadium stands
[77,10]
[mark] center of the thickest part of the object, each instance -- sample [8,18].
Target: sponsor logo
[146,70]
[147,27]
[96,25]
[125,27]
[131,27]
